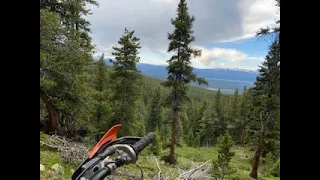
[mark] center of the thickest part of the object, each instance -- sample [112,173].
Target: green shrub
[275,171]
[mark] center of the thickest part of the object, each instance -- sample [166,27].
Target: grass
[48,158]
[187,158]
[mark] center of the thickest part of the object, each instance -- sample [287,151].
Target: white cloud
[256,14]
[260,13]
[216,21]
[226,58]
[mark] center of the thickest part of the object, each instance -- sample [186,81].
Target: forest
[80,99]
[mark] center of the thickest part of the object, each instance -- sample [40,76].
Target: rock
[57,167]
[42,168]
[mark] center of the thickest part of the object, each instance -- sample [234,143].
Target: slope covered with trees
[81,98]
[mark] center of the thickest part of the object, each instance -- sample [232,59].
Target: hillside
[225,79]
[220,131]
[150,84]
[189,158]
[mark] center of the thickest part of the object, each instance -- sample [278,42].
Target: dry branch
[196,173]
[159,173]
[70,151]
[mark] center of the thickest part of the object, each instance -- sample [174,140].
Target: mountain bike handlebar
[143,143]
[101,165]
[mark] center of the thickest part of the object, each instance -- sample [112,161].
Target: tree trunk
[256,162]
[175,101]
[172,159]
[53,114]
[242,131]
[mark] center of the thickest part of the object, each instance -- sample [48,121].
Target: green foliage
[96,96]
[102,107]
[49,158]
[234,105]
[242,122]
[221,167]
[207,135]
[165,129]
[271,31]
[139,128]
[155,114]
[72,16]
[275,171]
[196,141]
[190,139]
[63,72]
[43,137]
[201,125]
[156,145]
[187,157]
[65,57]
[138,125]
[265,113]
[266,101]
[125,82]
[219,114]
[268,164]
[179,70]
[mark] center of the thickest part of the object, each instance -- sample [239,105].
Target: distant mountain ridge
[219,78]
[223,69]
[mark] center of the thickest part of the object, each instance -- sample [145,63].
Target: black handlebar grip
[101,174]
[144,142]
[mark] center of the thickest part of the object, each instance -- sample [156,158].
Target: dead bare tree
[200,172]
[264,118]
[70,151]
[159,173]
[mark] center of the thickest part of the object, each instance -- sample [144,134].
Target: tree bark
[242,132]
[256,162]
[175,101]
[172,159]
[53,114]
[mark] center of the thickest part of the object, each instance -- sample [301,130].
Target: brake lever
[125,153]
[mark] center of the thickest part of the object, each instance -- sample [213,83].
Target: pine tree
[71,14]
[203,125]
[271,31]
[179,70]
[139,121]
[63,72]
[266,122]
[268,164]
[102,104]
[185,124]
[275,171]
[125,82]
[234,105]
[155,114]
[221,167]
[199,121]
[207,135]
[243,116]
[49,28]
[164,128]
[190,114]
[233,114]
[156,145]
[220,124]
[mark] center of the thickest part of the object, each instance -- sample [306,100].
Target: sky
[224,29]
